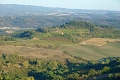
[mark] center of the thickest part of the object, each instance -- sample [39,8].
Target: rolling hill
[75,50]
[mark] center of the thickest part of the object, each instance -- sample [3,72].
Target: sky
[72,4]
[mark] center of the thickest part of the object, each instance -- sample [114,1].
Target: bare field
[33,52]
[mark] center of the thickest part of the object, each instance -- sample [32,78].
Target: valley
[42,43]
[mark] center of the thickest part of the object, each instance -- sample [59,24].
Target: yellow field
[98,41]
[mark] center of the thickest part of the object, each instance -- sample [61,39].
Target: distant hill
[13,15]
[14,9]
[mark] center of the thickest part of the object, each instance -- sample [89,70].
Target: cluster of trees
[7,38]
[19,68]
[77,25]
[106,33]
[25,34]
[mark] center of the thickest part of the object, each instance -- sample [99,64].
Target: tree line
[15,67]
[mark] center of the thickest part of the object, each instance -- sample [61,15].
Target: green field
[91,52]
[71,31]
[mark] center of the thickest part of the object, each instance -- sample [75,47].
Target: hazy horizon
[76,4]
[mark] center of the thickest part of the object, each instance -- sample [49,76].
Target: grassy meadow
[91,52]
